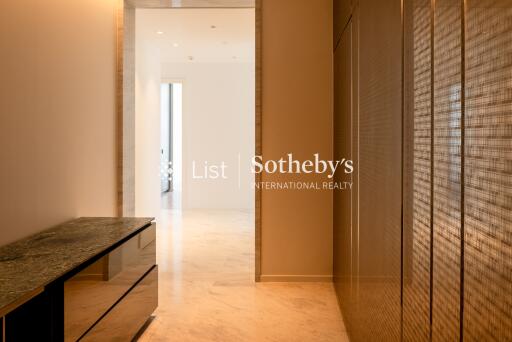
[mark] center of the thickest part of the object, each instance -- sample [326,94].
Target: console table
[89,279]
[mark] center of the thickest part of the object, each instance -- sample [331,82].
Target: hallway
[208,294]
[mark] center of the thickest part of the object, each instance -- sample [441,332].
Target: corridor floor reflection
[207,290]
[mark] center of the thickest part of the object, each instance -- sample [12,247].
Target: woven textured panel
[447,171]
[378,311]
[437,178]
[343,229]
[416,289]
[488,165]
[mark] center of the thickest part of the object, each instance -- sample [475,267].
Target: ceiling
[199,35]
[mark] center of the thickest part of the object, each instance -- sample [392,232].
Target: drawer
[126,318]
[92,292]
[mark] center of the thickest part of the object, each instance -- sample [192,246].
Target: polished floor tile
[207,290]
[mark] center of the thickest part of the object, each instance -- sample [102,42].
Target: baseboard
[296,278]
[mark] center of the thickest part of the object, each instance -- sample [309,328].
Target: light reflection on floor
[207,290]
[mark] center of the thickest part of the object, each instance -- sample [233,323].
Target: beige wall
[57,113]
[297,118]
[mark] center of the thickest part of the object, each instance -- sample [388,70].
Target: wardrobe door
[417,170]
[488,165]
[446,261]
[379,161]
[343,234]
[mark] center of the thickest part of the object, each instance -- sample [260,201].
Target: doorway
[171,106]
[194,122]
[126,102]
[166,134]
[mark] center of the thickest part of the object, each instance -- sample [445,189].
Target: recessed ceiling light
[159,32]
[175,44]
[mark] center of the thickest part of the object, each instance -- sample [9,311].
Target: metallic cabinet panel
[90,293]
[124,321]
[447,171]
[377,313]
[343,234]
[417,171]
[354,205]
[367,236]
[438,179]
[488,165]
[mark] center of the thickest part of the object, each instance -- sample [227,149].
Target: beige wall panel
[297,118]
[57,113]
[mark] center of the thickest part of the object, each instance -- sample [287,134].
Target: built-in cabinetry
[99,282]
[367,129]
[422,104]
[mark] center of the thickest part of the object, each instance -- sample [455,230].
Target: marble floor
[207,291]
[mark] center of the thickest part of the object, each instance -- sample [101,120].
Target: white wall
[218,125]
[147,127]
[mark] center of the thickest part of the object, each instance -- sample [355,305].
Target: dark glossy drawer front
[124,321]
[92,292]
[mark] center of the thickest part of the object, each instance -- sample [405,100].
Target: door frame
[125,100]
[182,81]
[169,156]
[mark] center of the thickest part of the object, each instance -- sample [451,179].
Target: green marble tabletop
[28,265]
